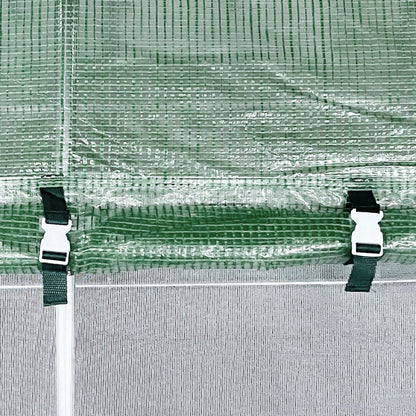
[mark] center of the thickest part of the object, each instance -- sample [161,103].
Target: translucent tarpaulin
[212,133]
[219,135]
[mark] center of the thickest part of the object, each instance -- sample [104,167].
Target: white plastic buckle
[55,246]
[367,231]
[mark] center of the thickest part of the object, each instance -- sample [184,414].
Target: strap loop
[55,247]
[367,240]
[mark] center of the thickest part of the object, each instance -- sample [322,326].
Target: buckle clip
[55,246]
[367,238]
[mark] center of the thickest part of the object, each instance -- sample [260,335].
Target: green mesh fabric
[206,133]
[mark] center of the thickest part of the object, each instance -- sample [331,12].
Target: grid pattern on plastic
[215,132]
[31,60]
[127,239]
[246,88]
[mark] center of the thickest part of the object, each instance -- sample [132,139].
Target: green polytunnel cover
[206,133]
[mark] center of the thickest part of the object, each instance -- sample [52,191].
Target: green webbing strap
[363,201]
[362,274]
[54,284]
[54,275]
[54,205]
[364,267]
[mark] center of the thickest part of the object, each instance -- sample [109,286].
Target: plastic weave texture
[206,133]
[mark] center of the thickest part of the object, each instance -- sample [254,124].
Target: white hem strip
[214,284]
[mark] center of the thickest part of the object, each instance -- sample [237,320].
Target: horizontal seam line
[231,284]
[225,284]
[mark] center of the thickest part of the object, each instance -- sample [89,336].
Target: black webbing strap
[362,274]
[363,201]
[54,284]
[54,275]
[364,268]
[54,205]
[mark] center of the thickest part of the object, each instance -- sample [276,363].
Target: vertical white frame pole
[65,354]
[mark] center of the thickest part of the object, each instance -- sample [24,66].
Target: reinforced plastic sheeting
[206,133]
